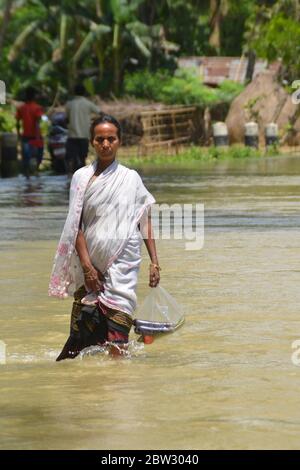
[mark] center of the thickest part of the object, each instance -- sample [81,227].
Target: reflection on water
[34,209]
[224,380]
[262,194]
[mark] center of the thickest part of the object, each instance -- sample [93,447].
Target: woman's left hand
[154,276]
[93,279]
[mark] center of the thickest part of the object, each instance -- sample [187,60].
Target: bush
[146,85]
[228,90]
[184,88]
[7,119]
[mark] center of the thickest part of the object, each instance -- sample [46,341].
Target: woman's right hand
[154,276]
[93,279]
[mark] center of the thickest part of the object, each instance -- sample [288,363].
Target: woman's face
[106,141]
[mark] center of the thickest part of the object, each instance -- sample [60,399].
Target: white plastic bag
[159,313]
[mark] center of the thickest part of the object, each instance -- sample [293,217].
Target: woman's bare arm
[149,240]
[82,251]
[92,276]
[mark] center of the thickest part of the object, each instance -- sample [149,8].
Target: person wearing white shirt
[79,111]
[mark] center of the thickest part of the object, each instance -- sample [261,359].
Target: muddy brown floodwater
[224,380]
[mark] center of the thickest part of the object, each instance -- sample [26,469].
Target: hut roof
[214,70]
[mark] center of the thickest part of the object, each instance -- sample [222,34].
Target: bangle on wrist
[87,271]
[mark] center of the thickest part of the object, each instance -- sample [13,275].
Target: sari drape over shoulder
[110,208]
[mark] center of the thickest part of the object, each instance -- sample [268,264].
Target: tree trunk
[99,9]
[63,32]
[116,58]
[215,23]
[100,56]
[72,75]
[5,21]
[251,65]
[297,10]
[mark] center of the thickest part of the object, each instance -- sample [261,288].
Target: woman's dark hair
[105,118]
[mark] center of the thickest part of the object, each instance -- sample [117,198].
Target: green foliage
[186,88]
[281,38]
[182,88]
[252,113]
[233,26]
[7,120]
[146,85]
[187,23]
[228,90]
[52,44]
[49,43]
[274,33]
[194,155]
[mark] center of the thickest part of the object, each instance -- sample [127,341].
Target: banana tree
[127,30]
[61,37]
[92,41]
[55,30]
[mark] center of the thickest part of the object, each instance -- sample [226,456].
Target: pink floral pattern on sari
[63,249]
[61,277]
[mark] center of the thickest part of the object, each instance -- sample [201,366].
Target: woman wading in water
[99,253]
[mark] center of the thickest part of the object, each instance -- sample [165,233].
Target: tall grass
[195,154]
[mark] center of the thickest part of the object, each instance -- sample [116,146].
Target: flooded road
[224,380]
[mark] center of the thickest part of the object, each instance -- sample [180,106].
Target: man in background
[79,111]
[29,114]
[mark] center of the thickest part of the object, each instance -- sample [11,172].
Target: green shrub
[146,85]
[189,90]
[7,119]
[184,88]
[228,90]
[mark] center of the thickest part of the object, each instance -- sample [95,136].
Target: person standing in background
[30,114]
[78,111]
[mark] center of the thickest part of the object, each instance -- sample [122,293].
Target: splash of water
[128,350]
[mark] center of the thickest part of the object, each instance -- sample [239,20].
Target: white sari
[111,207]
